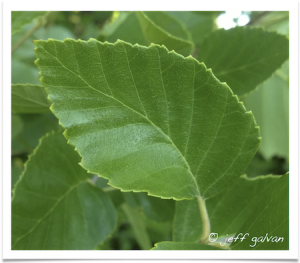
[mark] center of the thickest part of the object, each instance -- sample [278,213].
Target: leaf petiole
[205,220]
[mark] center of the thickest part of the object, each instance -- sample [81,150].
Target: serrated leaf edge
[151,45]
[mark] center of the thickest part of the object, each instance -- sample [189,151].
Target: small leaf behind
[244,57]
[29,99]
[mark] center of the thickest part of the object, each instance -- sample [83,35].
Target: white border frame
[254,5]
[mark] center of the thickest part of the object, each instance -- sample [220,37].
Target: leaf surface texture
[147,119]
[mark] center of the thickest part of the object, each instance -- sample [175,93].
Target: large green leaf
[29,99]
[270,105]
[183,246]
[147,119]
[227,211]
[244,57]
[268,225]
[54,204]
[21,18]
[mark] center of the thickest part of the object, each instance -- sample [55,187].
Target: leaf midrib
[126,106]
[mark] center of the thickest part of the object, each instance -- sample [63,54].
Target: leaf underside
[147,119]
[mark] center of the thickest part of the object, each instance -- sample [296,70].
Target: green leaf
[128,29]
[34,127]
[244,57]
[21,18]
[276,20]
[16,170]
[54,204]
[227,211]
[138,227]
[22,73]
[16,125]
[270,105]
[29,99]
[268,225]
[153,208]
[198,23]
[147,119]
[183,246]
[161,28]
[145,28]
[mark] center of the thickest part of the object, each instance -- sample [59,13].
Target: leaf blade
[225,218]
[161,128]
[269,221]
[155,32]
[29,99]
[59,215]
[21,18]
[244,57]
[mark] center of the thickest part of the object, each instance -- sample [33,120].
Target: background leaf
[149,133]
[128,29]
[16,170]
[271,218]
[270,105]
[227,211]
[21,18]
[66,211]
[244,57]
[145,28]
[138,227]
[161,28]
[198,23]
[16,125]
[29,99]
[156,209]
[34,127]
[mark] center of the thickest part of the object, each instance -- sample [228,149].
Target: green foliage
[29,99]
[156,149]
[21,18]
[237,60]
[228,210]
[63,202]
[270,220]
